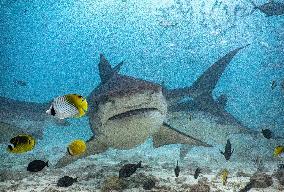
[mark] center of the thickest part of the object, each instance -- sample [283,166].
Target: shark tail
[201,91]
[255,7]
[205,84]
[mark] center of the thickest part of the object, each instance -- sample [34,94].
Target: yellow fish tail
[22,147]
[81,113]
[84,105]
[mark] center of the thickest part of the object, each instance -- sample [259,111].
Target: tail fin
[184,149]
[47,164]
[105,69]
[255,7]
[139,165]
[205,84]
[253,3]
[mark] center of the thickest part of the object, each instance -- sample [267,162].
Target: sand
[94,170]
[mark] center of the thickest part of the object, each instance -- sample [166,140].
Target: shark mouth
[133,113]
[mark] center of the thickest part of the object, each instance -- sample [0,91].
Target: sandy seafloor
[252,154]
[93,171]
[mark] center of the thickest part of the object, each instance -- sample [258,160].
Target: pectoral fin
[168,135]
[94,146]
[184,149]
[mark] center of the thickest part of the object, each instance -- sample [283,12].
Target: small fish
[77,147]
[224,176]
[282,85]
[275,65]
[248,187]
[67,106]
[177,170]
[279,151]
[281,166]
[21,82]
[21,144]
[66,181]
[267,133]
[273,84]
[228,150]
[190,117]
[129,169]
[36,165]
[197,172]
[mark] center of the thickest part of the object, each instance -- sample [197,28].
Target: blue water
[54,46]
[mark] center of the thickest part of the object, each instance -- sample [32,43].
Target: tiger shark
[125,111]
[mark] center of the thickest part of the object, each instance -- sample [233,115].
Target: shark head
[126,111]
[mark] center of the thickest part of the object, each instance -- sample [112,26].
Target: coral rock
[113,183]
[139,180]
[200,187]
[261,180]
[280,176]
[149,184]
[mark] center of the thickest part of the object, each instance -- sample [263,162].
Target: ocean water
[52,48]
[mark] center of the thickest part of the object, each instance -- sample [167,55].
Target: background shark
[271,8]
[21,117]
[17,117]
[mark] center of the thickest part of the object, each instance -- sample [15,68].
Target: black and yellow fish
[68,106]
[21,144]
[224,176]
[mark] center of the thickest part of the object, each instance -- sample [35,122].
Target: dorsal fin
[205,84]
[105,69]
[116,69]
